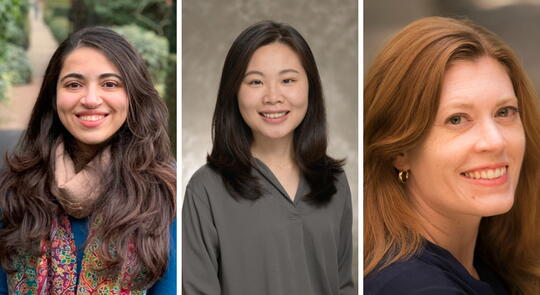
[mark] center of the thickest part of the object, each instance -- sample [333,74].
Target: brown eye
[73,85]
[255,82]
[288,81]
[110,84]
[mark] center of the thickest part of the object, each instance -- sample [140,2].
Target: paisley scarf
[55,271]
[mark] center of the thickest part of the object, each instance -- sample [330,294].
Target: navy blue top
[166,285]
[433,271]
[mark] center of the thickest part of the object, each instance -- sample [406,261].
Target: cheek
[516,144]
[66,101]
[437,160]
[246,103]
[120,103]
[299,96]
[518,140]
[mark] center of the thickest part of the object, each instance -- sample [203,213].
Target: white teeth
[92,117]
[487,174]
[274,115]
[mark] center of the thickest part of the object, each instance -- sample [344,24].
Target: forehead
[469,81]
[275,54]
[87,59]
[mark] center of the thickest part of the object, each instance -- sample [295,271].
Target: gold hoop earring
[403,175]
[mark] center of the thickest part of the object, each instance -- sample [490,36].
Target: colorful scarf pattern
[54,272]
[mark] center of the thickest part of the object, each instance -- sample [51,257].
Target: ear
[401,162]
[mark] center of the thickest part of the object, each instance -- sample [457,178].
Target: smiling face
[91,99]
[273,96]
[470,161]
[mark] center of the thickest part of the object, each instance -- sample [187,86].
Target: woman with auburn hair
[451,165]
[271,212]
[87,199]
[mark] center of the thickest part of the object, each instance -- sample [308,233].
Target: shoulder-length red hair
[401,99]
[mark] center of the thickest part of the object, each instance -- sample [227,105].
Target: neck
[455,234]
[274,152]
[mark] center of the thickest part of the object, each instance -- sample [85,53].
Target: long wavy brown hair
[138,202]
[401,99]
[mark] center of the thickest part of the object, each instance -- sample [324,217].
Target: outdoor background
[329,26]
[30,31]
[515,21]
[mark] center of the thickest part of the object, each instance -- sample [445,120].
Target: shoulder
[342,184]
[343,190]
[412,276]
[205,183]
[204,176]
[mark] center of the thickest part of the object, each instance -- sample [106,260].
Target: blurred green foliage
[18,68]
[57,8]
[4,81]
[14,31]
[55,15]
[60,28]
[170,99]
[153,15]
[152,48]
[14,25]
[170,88]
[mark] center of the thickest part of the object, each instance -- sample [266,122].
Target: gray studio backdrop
[329,26]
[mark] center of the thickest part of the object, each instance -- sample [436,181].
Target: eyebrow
[280,72]
[469,105]
[80,76]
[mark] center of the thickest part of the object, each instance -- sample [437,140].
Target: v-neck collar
[265,171]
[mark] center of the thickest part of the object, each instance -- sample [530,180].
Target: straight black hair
[232,137]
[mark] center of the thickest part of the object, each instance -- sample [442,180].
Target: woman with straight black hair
[87,200]
[271,212]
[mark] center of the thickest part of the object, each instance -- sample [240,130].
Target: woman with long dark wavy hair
[451,165]
[270,213]
[87,199]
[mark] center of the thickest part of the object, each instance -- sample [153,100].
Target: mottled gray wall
[330,28]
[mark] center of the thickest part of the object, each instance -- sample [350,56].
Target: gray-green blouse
[270,246]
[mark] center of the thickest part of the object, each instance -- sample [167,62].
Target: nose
[92,98]
[272,94]
[491,137]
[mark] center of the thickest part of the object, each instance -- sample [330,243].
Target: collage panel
[270,203]
[87,139]
[451,169]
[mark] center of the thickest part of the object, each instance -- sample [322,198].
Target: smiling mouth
[486,173]
[274,115]
[91,118]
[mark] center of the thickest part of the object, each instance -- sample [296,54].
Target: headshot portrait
[451,160]
[269,147]
[88,195]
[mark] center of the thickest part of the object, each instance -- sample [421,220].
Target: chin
[91,141]
[497,207]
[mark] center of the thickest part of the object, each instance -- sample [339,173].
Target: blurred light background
[30,31]
[329,26]
[515,21]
